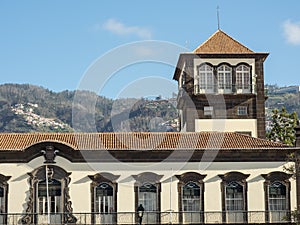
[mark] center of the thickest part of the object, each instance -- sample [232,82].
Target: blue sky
[54,43]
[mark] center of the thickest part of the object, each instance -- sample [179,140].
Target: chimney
[297,130]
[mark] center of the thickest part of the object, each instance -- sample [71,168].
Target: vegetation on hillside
[283,126]
[29,108]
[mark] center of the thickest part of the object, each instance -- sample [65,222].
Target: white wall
[80,183]
[227,125]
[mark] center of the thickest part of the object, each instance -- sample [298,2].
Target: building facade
[221,87]
[218,170]
[179,178]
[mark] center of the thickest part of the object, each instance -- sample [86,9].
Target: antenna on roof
[218,17]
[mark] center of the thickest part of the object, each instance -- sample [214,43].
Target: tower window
[224,79]
[242,110]
[243,79]
[206,79]
[208,110]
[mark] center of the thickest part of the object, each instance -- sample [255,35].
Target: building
[197,176]
[221,87]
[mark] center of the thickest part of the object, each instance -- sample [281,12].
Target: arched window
[277,196]
[205,79]
[191,197]
[148,197]
[234,197]
[224,79]
[49,199]
[104,202]
[147,190]
[243,81]
[51,191]
[104,189]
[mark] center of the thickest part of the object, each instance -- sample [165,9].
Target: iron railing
[251,217]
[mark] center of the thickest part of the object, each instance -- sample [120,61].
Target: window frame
[53,198]
[183,180]
[97,180]
[224,78]
[239,178]
[242,110]
[146,194]
[282,178]
[39,174]
[208,110]
[205,79]
[241,76]
[233,185]
[186,201]
[153,179]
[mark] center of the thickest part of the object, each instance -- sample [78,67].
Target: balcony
[239,217]
[224,89]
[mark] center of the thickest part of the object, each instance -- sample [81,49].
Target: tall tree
[283,126]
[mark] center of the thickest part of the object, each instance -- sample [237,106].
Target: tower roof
[220,42]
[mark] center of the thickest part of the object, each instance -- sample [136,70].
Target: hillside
[278,99]
[29,108]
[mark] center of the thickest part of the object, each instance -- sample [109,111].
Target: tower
[221,87]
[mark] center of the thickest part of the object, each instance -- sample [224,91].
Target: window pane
[148,196]
[224,77]
[208,110]
[54,188]
[242,110]
[104,198]
[234,196]
[277,196]
[191,197]
[54,196]
[243,77]
[206,81]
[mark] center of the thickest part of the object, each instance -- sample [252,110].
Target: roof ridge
[216,44]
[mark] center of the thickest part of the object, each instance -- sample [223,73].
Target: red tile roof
[137,141]
[220,42]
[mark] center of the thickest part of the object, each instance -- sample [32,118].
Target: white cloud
[292,32]
[121,29]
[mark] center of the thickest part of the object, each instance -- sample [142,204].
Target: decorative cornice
[104,177]
[191,176]
[277,176]
[147,177]
[234,176]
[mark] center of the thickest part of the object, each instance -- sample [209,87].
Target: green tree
[283,130]
[283,126]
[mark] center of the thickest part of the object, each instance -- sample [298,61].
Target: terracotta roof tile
[220,42]
[137,141]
